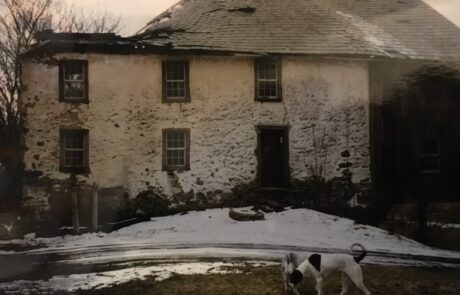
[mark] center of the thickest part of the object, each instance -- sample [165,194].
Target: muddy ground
[384,280]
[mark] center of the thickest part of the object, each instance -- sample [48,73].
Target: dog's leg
[285,280]
[296,289]
[357,279]
[319,285]
[345,283]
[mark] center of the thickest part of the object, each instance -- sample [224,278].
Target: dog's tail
[363,252]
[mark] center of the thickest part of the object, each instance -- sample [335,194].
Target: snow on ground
[294,227]
[164,244]
[99,280]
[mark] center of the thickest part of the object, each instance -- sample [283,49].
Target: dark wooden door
[273,157]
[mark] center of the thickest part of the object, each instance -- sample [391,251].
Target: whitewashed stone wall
[325,104]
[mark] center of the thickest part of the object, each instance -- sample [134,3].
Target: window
[74,150]
[176,149]
[429,156]
[176,81]
[268,80]
[73,80]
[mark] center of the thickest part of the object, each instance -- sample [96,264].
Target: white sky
[136,13]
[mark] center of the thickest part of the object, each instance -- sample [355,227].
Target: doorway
[273,153]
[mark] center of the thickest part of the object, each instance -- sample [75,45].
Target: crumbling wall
[325,104]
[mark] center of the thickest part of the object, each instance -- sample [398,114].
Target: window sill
[67,100]
[176,169]
[77,170]
[279,99]
[176,100]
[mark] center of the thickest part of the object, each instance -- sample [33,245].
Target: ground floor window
[74,150]
[176,149]
[429,156]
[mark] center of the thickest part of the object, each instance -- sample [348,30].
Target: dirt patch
[267,280]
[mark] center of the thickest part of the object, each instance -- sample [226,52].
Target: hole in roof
[164,19]
[246,9]
[403,21]
[392,51]
[177,6]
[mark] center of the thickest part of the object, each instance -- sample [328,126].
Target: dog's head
[296,277]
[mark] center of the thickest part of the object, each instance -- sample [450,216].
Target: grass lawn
[266,280]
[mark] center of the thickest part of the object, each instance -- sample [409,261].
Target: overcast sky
[136,13]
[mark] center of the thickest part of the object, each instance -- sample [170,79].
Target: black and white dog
[289,264]
[321,266]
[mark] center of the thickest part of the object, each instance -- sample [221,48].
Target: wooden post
[75,213]
[75,209]
[95,212]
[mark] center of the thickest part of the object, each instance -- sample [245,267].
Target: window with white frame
[268,80]
[73,81]
[175,81]
[74,150]
[176,149]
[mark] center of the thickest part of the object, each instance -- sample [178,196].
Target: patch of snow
[214,228]
[445,225]
[439,224]
[212,233]
[178,6]
[163,19]
[99,280]
[29,236]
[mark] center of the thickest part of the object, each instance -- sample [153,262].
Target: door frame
[286,170]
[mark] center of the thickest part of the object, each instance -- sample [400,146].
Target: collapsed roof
[391,28]
[402,29]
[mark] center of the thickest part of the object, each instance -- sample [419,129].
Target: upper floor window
[267,80]
[73,80]
[176,81]
[176,149]
[74,151]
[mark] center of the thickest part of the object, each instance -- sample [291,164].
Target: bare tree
[20,20]
[68,18]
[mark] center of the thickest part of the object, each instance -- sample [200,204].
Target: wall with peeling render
[325,104]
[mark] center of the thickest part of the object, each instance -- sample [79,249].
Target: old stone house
[213,94]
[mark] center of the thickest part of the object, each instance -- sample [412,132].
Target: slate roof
[407,29]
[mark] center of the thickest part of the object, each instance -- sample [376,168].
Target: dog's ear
[315,260]
[296,277]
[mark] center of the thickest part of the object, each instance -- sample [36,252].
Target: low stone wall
[442,227]
[57,213]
